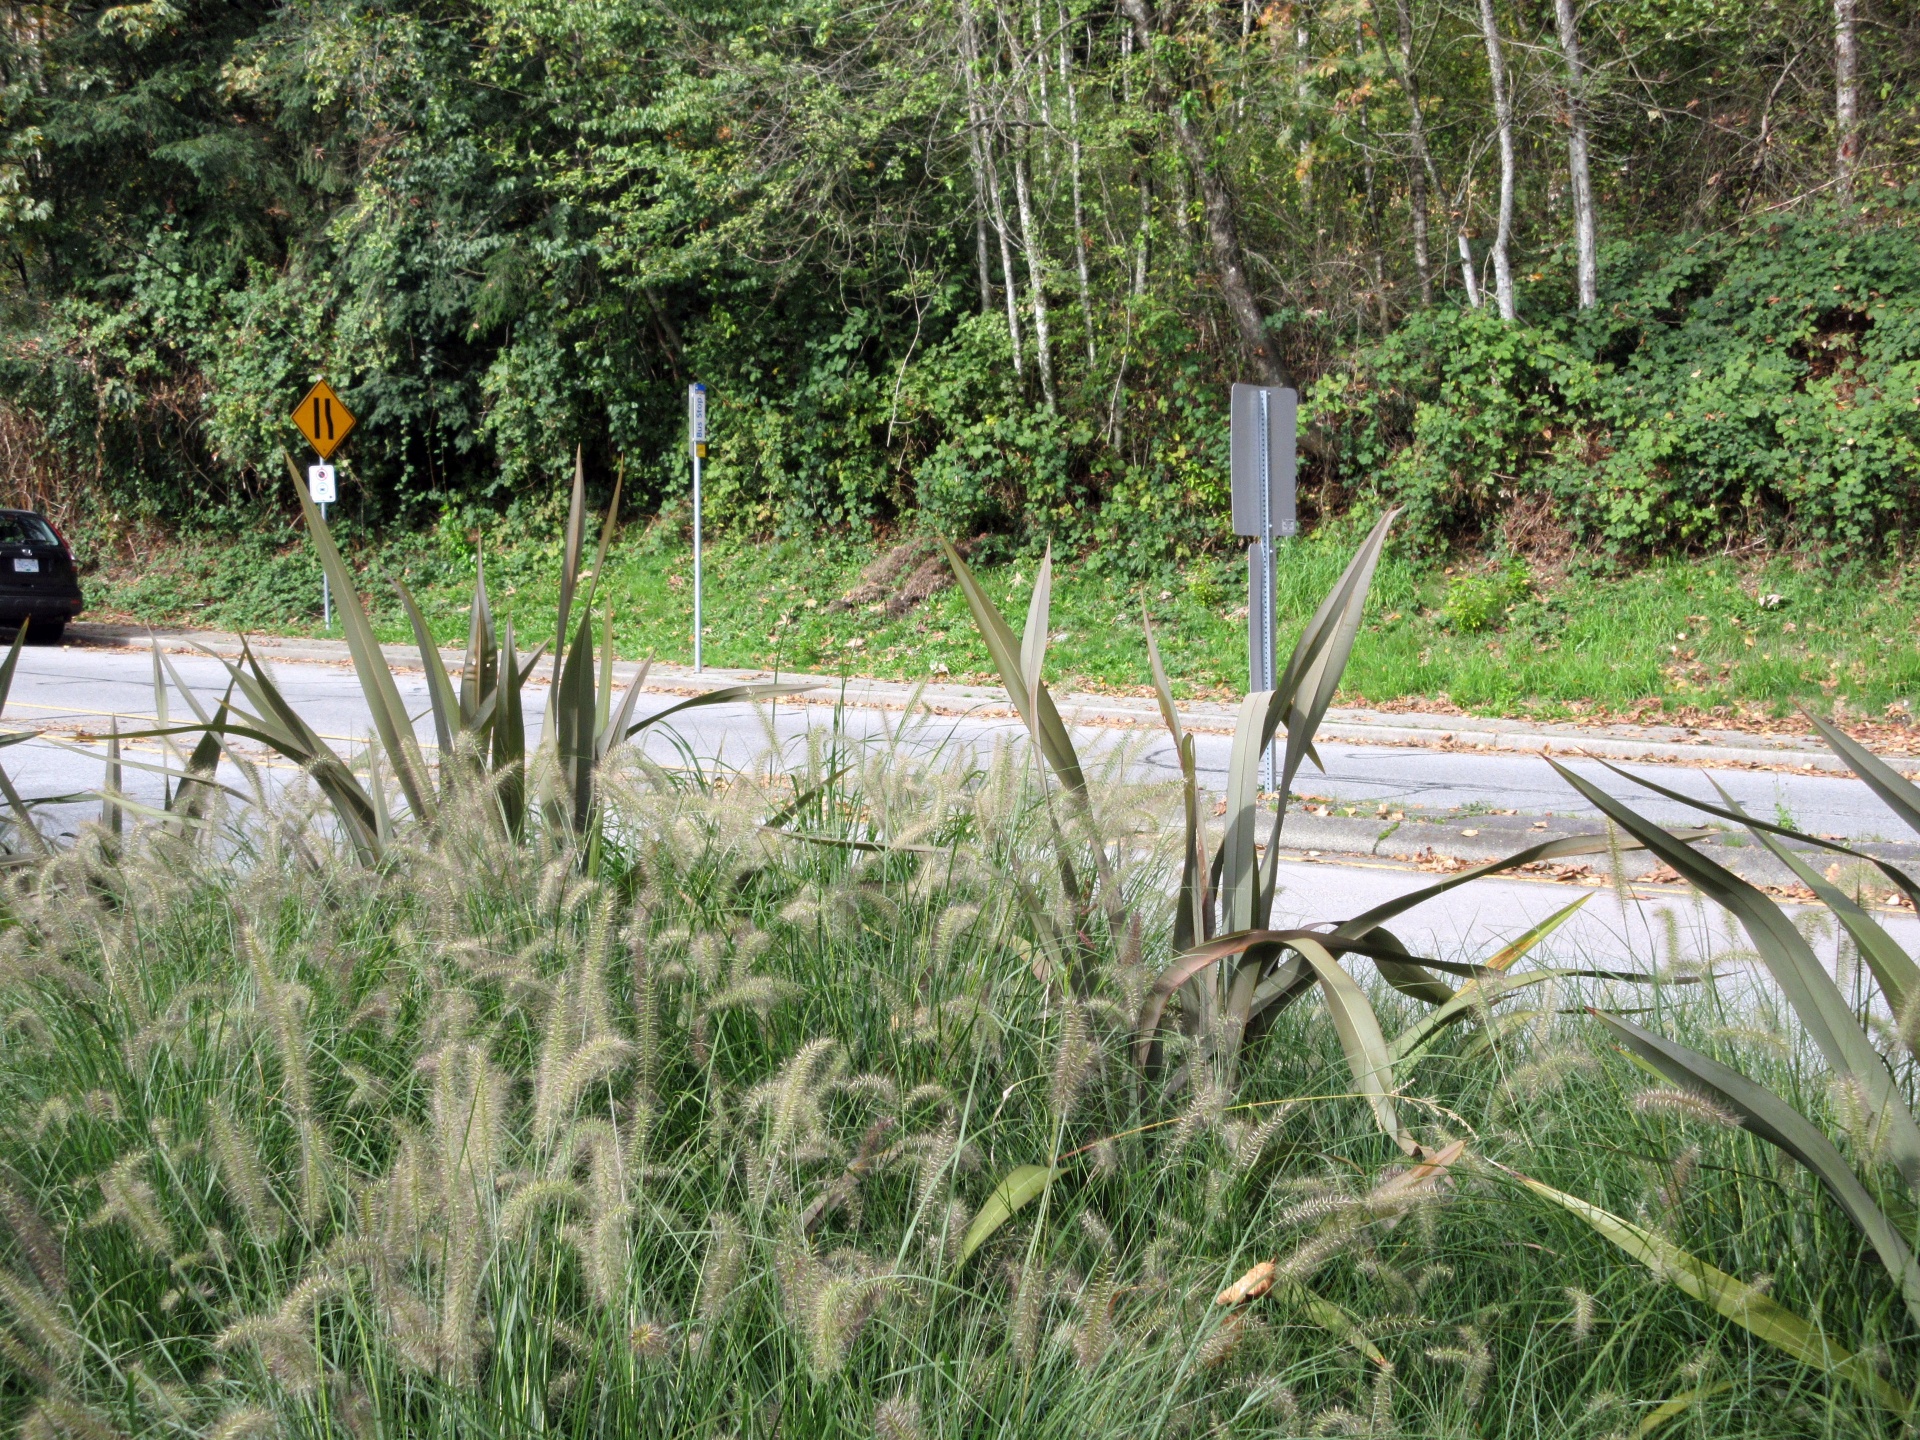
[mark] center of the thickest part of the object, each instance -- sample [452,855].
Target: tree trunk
[1217,201]
[1036,265]
[1009,287]
[1586,240]
[1846,94]
[1030,241]
[1302,99]
[1079,211]
[1503,122]
[1467,277]
[1419,171]
[983,140]
[977,164]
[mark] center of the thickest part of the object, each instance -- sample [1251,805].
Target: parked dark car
[38,581]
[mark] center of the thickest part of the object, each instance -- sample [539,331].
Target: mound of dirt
[925,571]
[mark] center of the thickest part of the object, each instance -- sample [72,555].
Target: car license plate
[26,567]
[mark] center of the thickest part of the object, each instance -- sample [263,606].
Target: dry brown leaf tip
[1250,1286]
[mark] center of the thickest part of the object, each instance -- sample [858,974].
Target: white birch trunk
[1422,168]
[1846,94]
[1503,123]
[1586,238]
[1079,210]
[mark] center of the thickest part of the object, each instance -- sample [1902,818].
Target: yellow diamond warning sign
[323,419]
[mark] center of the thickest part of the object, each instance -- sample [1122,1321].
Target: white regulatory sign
[320,484]
[697,418]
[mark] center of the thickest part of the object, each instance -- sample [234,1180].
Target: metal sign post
[324,419]
[1264,422]
[320,486]
[697,443]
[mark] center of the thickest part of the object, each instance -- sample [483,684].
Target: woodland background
[1627,279]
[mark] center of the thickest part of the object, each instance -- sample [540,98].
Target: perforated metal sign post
[324,419]
[697,444]
[1264,422]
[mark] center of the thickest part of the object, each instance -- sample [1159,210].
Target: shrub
[1763,383]
[1479,600]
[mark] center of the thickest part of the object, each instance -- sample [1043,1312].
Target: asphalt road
[76,692]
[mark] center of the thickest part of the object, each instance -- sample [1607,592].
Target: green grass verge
[1686,638]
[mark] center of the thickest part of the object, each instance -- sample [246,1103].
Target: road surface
[77,692]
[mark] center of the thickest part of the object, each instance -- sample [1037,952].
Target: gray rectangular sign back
[1282,417]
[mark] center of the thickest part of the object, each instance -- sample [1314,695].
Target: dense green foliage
[504,228]
[1756,385]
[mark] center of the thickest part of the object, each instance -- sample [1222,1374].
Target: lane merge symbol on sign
[323,419]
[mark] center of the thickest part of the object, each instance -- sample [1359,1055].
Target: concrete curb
[1645,744]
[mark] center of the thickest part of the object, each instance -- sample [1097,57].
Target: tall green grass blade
[22,817]
[390,719]
[616,729]
[12,662]
[1409,977]
[1239,847]
[278,726]
[1895,791]
[440,692]
[603,692]
[1361,1040]
[573,543]
[197,784]
[1191,923]
[1019,1188]
[161,718]
[1310,680]
[1483,990]
[725,695]
[571,707]
[1898,877]
[112,819]
[1751,1309]
[1892,967]
[1778,1123]
[1036,708]
[1033,641]
[1809,989]
[1679,1405]
[509,759]
[1518,947]
[480,672]
[1563,848]
[248,770]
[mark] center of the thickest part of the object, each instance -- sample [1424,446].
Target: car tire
[46,632]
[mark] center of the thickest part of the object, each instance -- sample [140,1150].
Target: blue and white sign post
[697,443]
[1264,422]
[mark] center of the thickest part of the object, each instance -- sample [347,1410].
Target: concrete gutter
[1645,744]
[1454,841]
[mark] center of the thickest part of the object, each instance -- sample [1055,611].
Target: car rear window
[26,530]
